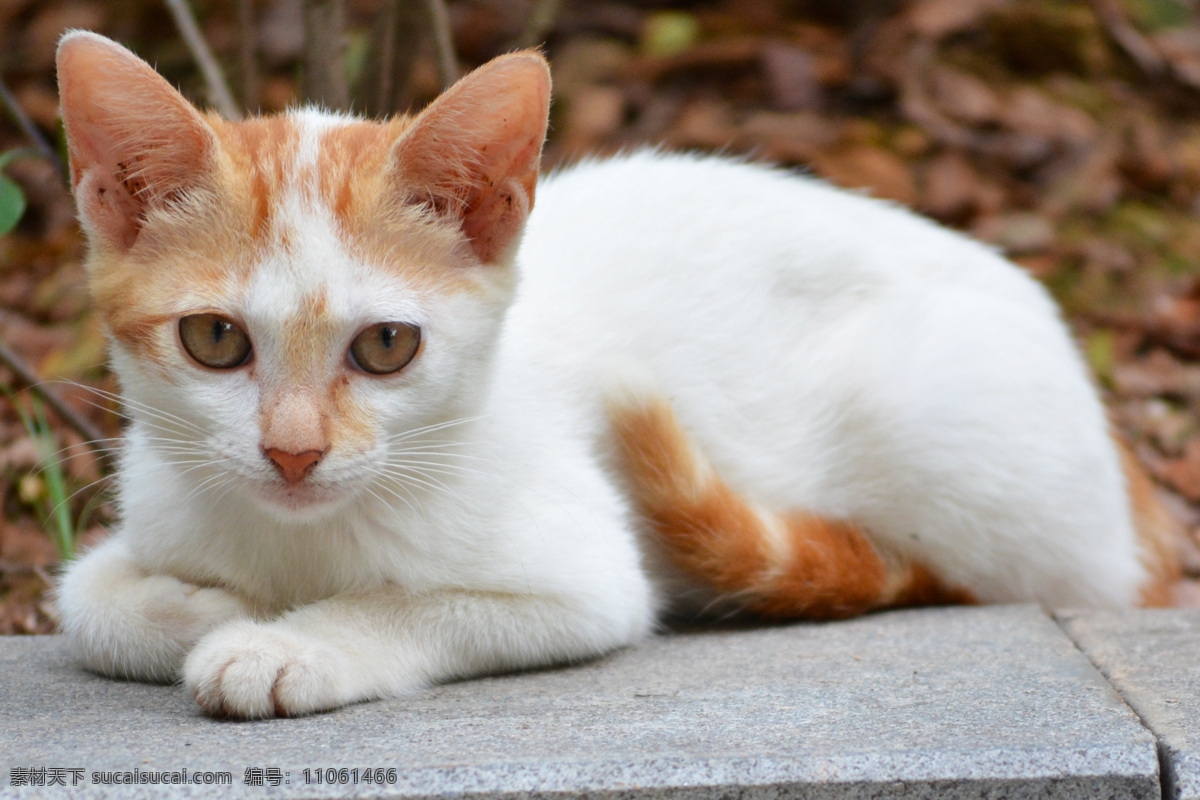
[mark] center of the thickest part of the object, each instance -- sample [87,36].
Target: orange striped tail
[793,565]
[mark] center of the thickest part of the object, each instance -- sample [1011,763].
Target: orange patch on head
[798,565]
[353,166]
[308,334]
[378,221]
[261,155]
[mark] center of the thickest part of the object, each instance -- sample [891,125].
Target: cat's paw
[124,623]
[187,611]
[248,670]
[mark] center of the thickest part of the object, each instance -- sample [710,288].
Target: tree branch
[30,130]
[541,22]
[325,54]
[218,89]
[443,41]
[394,52]
[25,375]
[248,53]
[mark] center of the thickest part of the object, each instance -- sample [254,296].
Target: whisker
[145,408]
[200,487]
[432,452]
[420,479]
[388,505]
[437,469]
[434,427]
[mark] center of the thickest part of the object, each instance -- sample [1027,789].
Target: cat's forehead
[304,207]
[311,182]
[304,158]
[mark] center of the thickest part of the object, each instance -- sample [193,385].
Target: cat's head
[288,297]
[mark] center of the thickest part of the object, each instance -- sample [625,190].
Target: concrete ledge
[963,703]
[1152,658]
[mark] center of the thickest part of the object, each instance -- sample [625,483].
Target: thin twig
[27,377]
[443,41]
[541,22]
[1128,39]
[1143,51]
[218,89]
[30,130]
[394,52]
[384,56]
[248,53]
[325,54]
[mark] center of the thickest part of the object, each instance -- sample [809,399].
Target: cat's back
[835,353]
[719,211]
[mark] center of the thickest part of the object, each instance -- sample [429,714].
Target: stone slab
[1152,657]
[963,703]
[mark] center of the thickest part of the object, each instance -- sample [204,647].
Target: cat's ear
[133,141]
[474,154]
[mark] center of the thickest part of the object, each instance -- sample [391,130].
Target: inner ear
[133,141]
[474,154]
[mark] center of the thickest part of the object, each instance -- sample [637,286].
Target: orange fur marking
[262,152]
[1158,532]
[796,565]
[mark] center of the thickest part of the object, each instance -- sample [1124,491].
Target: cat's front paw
[248,670]
[186,610]
[125,623]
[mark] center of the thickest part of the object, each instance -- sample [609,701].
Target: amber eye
[214,341]
[386,347]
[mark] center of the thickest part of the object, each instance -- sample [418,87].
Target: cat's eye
[386,347]
[214,341]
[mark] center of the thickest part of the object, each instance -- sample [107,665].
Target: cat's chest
[281,565]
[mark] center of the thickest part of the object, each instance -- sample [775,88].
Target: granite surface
[937,703]
[1152,657]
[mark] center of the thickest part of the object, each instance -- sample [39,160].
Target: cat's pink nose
[294,467]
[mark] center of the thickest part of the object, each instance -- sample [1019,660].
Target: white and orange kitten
[389,427]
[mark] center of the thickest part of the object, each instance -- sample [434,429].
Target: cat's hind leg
[124,622]
[793,565]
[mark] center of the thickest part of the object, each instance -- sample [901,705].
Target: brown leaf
[940,18]
[703,124]
[585,61]
[1183,474]
[594,114]
[952,189]
[791,77]
[1029,111]
[796,138]
[22,543]
[41,35]
[1145,160]
[1157,374]
[1090,184]
[964,97]
[871,168]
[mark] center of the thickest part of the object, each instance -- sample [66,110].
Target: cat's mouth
[303,498]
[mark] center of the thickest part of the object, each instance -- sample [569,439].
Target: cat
[365,456]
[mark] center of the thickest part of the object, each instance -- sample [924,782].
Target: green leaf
[1100,355]
[667,33]
[1158,15]
[12,204]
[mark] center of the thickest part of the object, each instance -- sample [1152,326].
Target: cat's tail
[1159,533]
[793,565]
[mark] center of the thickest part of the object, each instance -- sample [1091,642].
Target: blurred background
[1065,132]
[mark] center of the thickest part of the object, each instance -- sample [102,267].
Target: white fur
[827,352]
